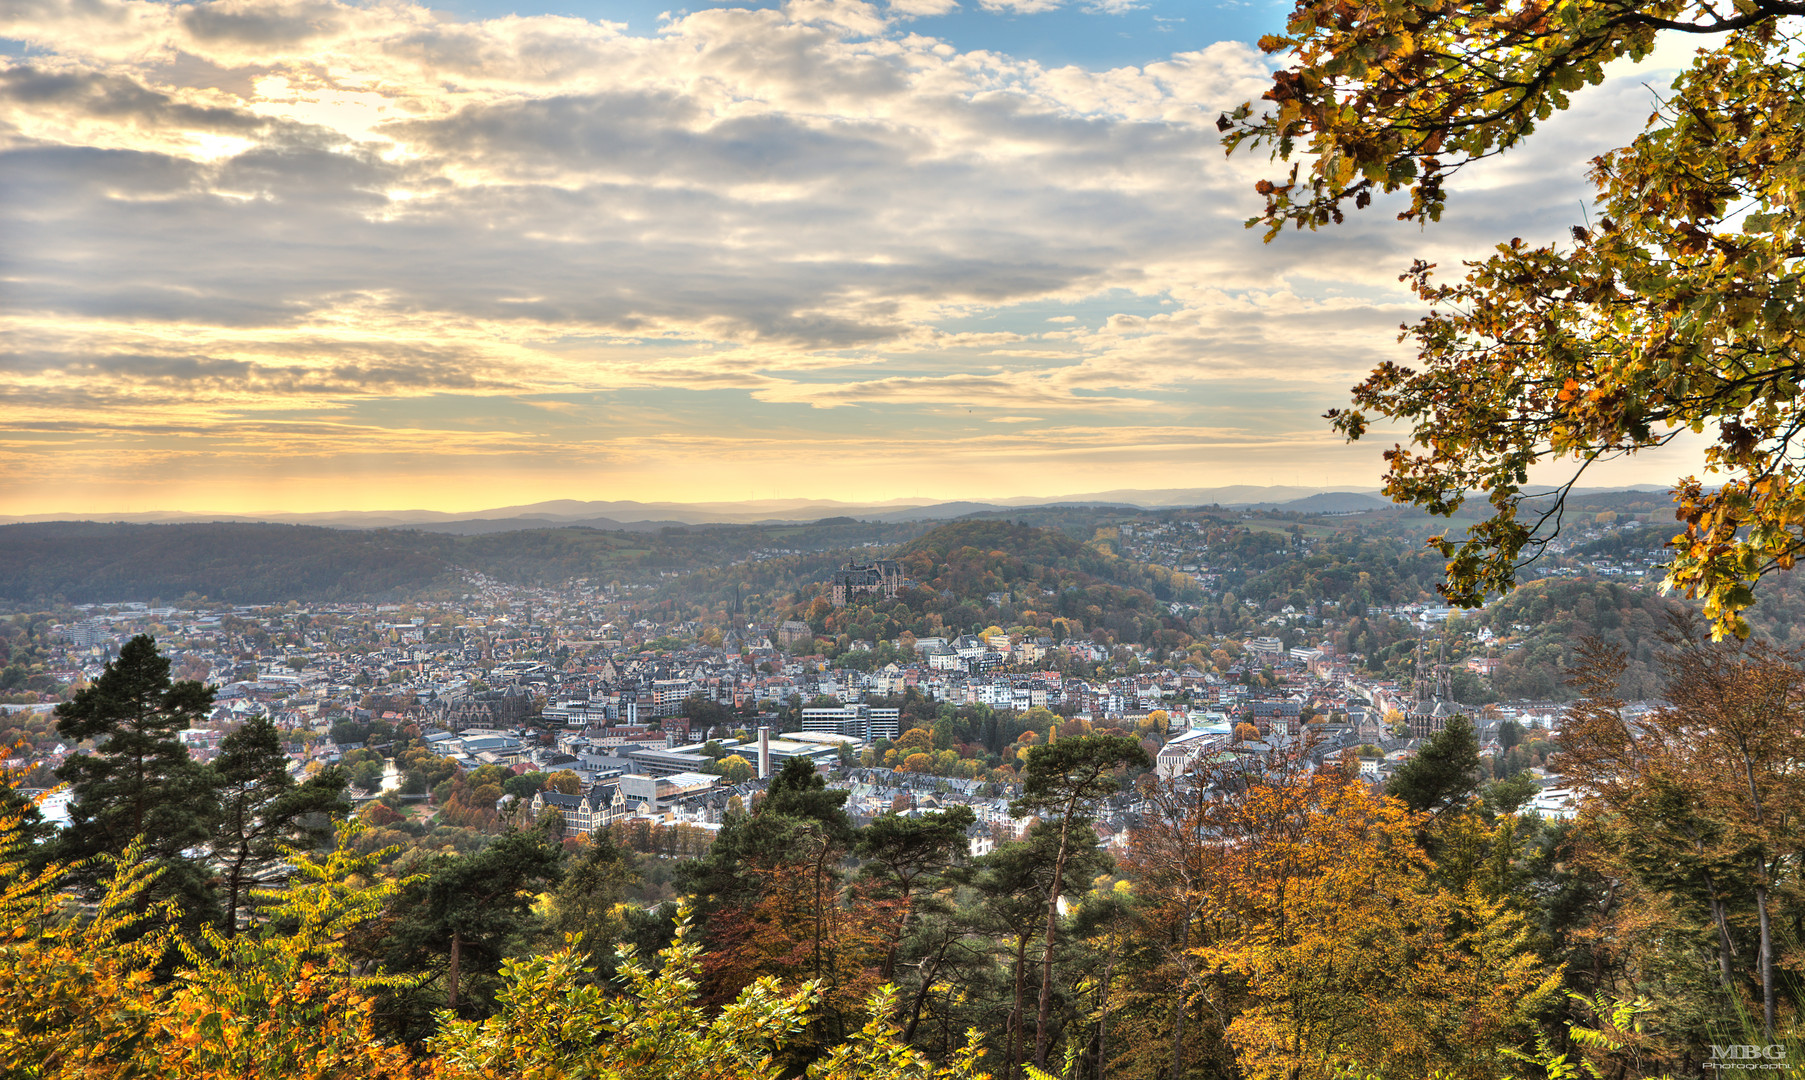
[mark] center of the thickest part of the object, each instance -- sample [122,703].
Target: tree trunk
[234,882]
[820,869]
[1184,985]
[1016,1035]
[451,976]
[1767,935]
[1045,1015]
[1767,961]
[927,974]
[902,929]
[1103,1020]
[946,1025]
[1725,947]
[235,878]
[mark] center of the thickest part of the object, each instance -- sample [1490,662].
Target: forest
[51,563]
[1265,913]
[254,563]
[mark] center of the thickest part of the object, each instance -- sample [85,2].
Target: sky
[307,255]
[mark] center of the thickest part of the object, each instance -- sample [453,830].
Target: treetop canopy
[1675,308]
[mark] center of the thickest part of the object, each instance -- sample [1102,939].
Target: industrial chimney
[764,753]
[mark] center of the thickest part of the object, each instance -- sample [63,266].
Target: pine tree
[1069,778]
[1015,885]
[906,852]
[455,923]
[262,809]
[140,781]
[586,901]
[1445,774]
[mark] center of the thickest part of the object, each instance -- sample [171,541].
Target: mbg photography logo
[1743,1057]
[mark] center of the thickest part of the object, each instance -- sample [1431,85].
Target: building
[1559,803]
[781,750]
[87,634]
[597,808]
[1428,718]
[668,695]
[505,748]
[1281,717]
[1268,648]
[657,792]
[487,709]
[792,631]
[1176,757]
[859,721]
[860,581]
[655,761]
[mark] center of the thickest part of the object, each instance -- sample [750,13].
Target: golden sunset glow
[313,255]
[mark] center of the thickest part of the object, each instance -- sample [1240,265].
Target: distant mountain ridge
[1330,502]
[628,514]
[631,516]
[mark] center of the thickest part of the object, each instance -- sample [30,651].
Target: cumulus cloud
[303,208]
[916,9]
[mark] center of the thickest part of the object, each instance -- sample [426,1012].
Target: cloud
[916,9]
[224,212]
[1022,7]
[259,23]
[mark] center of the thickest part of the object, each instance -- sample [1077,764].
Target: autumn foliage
[1321,939]
[1266,915]
[83,997]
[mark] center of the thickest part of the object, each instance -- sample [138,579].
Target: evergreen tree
[797,812]
[32,830]
[586,901]
[907,854]
[1016,884]
[140,781]
[1069,778]
[262,809]
[1444,774]
[457,921]
[798,791]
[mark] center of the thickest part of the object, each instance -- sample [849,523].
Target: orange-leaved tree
[79,999]
[1321,939]
[805,923]
[554,1024]
[1699,805]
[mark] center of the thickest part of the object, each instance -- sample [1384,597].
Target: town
[667,722]
[836,754]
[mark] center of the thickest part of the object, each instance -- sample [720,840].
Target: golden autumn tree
[1320,938]
[1700,804]
[1171,857]
[1674,308]
[554,1024]
[79,1000]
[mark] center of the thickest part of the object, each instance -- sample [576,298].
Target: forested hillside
[971,575]
[1550,620]
[1354,569]
[971,559]
[92,562]
[1545,625]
